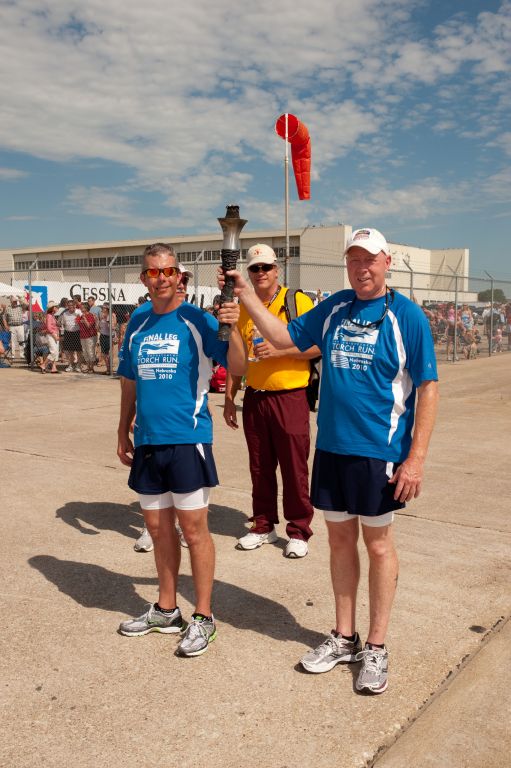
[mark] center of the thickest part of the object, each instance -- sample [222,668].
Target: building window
[98,261]
[294,252]
[188,255]
[128,260]
[49,264]
[22,265]
[75,263]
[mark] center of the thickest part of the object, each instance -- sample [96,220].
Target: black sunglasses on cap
[255,268]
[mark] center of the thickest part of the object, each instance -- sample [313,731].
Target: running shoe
[296,548]
[144,543]
[373,674]
[200,633]
[255,540]
[153,621]
[335,649]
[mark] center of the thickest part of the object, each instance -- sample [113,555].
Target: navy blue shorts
[159,469]
[353,484]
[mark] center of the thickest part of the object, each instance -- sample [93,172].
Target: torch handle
[229,259]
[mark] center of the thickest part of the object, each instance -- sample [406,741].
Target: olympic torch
[231,227]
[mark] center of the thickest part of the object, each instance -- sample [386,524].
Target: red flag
[298,137]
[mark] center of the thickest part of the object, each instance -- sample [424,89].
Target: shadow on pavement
[92,585]
[93,517]
[227,521]
[96,587]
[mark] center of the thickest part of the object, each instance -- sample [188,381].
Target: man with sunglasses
[144,543]
[378,359]
[275,415]
[165,367]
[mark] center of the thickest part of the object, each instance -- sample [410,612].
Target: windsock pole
[286,186]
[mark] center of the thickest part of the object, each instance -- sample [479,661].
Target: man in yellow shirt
[275,415]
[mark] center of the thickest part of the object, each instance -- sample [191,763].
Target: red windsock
[298,137]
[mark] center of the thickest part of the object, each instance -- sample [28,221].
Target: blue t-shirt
[369,375]
[170,358]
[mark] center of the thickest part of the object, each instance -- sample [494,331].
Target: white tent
[7,290]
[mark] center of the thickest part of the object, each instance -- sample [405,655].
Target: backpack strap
[290,303]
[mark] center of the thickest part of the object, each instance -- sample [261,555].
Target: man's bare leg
[383,573]
[194,525]
[345,572]
[167,553]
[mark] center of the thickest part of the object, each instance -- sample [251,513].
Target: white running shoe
[255,540]
[144,543]
[335,649]
[296,548]
[373,675]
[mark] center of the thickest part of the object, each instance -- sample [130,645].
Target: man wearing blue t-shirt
[378,358]
[165,366]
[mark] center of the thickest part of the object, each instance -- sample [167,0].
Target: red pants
[277,431]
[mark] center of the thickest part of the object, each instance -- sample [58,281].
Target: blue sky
[123,120]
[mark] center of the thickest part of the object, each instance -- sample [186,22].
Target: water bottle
[256,339]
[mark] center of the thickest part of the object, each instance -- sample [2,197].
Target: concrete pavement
[77,692]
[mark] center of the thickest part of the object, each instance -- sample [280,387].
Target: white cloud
[20,218]
[504,142]
[415,202]
[11,174]
[186,98]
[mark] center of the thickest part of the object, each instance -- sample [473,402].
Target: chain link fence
[468,316]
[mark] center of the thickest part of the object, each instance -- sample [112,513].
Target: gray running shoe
[153,621]
[200,633]
[333,650]
[144,543]
[374,671]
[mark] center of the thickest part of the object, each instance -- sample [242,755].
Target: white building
[316,253]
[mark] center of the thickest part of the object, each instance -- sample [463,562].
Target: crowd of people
[67,338]
[73,333]
[446,323]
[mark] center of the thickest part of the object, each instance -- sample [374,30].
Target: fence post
[455,347]
[407,264]
[490,339]
[455,340]
[111,352]
[196,277]
[30,314]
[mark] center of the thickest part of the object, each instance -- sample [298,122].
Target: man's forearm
[236,354]
[232,386]
[425,416]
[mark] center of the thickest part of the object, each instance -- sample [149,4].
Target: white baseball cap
[370,240]
[260,254]
[184,270]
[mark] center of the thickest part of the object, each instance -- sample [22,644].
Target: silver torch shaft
[231,227]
